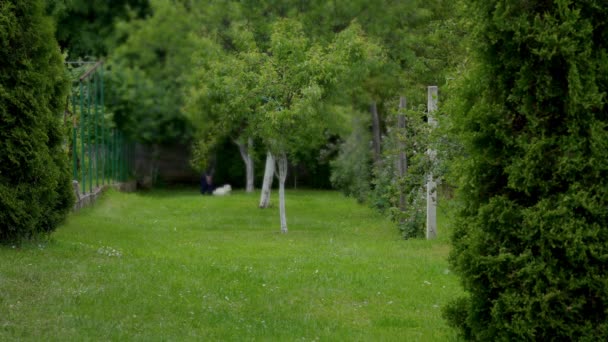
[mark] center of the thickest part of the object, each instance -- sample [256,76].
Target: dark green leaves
[531,238]
[35,188]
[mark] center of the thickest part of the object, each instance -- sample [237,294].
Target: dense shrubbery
[351,170]
[35,188]
[388,186]
[531,237]
[354,173]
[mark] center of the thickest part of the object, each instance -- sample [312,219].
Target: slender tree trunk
[267,184]
[402,161]
[248,160]
[250,166]
[431,185]
[376,132]
[282,166]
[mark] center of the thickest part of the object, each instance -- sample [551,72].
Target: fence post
[90,168]
[82,137]
[103,130]
[111,141]
[74,139]
[96,131]
[431,185]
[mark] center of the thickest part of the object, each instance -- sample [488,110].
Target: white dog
[223,190]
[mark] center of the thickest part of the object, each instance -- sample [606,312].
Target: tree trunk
[402,161]
[431,186]
[248,160]
[267,184]
[376,132]
[282,166]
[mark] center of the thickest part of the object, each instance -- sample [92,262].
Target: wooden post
[402,161]
[431,186]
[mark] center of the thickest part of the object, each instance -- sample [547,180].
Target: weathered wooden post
[431,185]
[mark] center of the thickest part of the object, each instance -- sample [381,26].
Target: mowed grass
[177,266]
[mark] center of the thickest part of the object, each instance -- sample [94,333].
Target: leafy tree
[291,96]
[531,236]
[297,80]
[422,43]
[222,102]
[35,185]
[86,28]
[148,74]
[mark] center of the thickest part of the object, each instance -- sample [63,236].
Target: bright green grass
[217,268]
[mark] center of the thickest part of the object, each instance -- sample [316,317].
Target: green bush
[351,170]
[531,238]
[385,194]
[35,185]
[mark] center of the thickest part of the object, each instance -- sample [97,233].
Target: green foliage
[420,49]
[35,185]
[387,185]
[416,35]
[302,82]
[148,73]
[291,90]
[351,170]
[85,29]
[531,236]
[151,69]
[222,102]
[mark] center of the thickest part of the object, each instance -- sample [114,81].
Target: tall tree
[291,98]
[296,81]
[530,240]
[148,74]
[35,185]
[222,102]
[86,28]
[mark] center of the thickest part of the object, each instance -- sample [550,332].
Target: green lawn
[173,265]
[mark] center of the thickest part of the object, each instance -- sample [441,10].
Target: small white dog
[223,190]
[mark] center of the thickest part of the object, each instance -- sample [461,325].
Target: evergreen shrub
[531,237]
[35,182]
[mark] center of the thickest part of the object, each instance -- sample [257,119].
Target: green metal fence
[100,152]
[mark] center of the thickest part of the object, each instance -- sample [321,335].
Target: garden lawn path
[175,265]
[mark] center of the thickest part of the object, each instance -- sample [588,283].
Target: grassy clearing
[178,266]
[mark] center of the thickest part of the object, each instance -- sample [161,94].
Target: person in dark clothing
[206,183]
[207,177]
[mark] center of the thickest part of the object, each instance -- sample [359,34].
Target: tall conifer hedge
[35,189]
[531,239]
